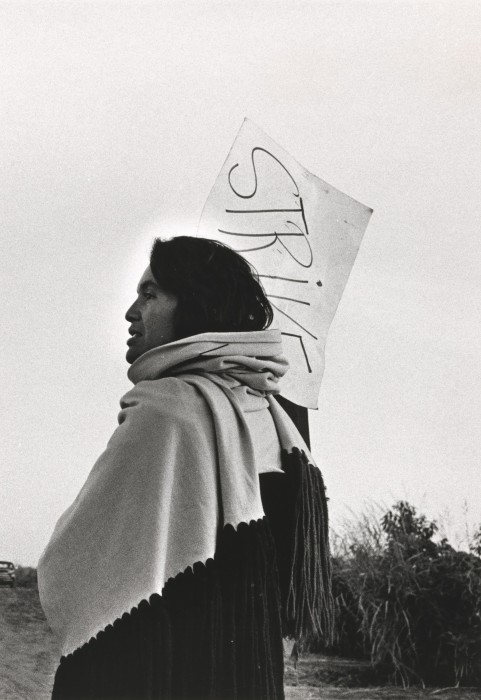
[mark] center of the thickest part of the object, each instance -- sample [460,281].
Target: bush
[410,604]
[26,577]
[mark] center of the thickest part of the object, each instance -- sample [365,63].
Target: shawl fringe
[214,633]
[309,605]
[296,508]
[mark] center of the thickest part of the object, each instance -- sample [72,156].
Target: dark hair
[217,289]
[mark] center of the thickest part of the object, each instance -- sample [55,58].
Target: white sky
[115,119]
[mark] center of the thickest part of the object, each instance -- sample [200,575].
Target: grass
[407,601]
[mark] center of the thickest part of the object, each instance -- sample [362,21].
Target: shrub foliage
[26,576]
[409,603]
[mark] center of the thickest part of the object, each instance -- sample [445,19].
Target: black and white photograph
[241,358]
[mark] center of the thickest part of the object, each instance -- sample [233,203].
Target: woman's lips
[132,339]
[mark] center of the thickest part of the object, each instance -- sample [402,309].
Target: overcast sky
[115,119]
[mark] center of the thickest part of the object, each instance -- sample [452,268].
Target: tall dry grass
[409,603]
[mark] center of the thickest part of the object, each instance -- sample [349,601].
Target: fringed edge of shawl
[215,632]
[155,600]
[309,605]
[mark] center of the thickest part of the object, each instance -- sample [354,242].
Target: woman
[200,537]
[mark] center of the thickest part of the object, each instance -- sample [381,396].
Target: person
[200,537]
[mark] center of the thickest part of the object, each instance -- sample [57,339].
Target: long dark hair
[217,289]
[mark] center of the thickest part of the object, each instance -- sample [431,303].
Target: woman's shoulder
[172,397]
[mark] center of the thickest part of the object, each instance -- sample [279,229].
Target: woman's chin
[132,354]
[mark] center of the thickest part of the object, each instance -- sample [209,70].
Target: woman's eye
[146,295]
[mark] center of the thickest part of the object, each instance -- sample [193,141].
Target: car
[7,574]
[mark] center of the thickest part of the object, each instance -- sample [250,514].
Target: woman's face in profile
[151,317]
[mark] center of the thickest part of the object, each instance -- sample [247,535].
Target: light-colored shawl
[181,464]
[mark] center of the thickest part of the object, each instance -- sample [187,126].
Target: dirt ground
[27,649]
[312,677]
[28,657]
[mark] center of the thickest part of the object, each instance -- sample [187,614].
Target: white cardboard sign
[302,237]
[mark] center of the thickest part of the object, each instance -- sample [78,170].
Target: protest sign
[301,235]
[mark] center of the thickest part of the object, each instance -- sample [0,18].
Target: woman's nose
[132,314]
